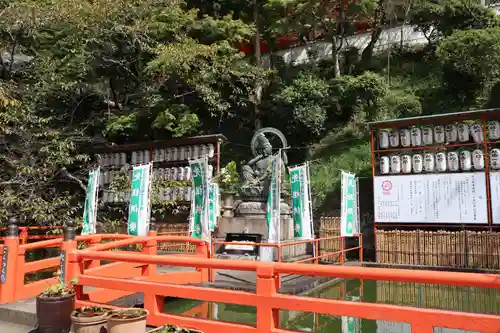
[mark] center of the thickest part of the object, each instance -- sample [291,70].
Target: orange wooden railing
[133,272]
[268,301]
[25,236]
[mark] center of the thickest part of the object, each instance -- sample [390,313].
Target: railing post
[202,252]
[9,263]
[69,270]
[268,319]
[23,235]
[151,248]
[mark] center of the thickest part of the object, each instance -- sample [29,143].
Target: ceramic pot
[96,324]
[127,325]
[54,313]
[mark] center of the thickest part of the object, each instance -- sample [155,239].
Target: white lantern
[175,154]
[384,165]
[181,192]
[168,193]
[495,158]
[182,154]
[476,130]
[417,163]
[210,171]
[211,149]
[429,162]
[441,162]
[453,164]
[123,158]
[139,157]
[156,155]
[168,154]
[168,174]
[465,160]
[416,137]
[174,174]
[189,152]
[134,158]
[406,163]
[478,159]
[463,132]
[187,196]
[404,137]
[187,173]
[439,134]
[203,150]
[161,174]
[196,152]
[395,164]
[451,133]
[116,159]
[180,173]
[146,157]
[161,155]
[494,130]
[383,139]
[427,135]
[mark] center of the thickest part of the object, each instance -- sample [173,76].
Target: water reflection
[467,299]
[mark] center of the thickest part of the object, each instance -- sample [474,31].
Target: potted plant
[90,319]
[127,321]
[172,329]
[229,182]
[54,307]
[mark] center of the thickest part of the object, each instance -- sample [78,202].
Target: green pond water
[466,299]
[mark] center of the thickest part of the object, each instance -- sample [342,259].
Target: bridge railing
[268,301]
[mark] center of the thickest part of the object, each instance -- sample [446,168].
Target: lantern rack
[488,119]
[168,158]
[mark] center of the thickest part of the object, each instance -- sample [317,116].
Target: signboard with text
[431,198]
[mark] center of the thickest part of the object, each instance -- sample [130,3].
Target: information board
[431,198]
[495,196]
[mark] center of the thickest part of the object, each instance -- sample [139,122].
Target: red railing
[268,301]
[24,233]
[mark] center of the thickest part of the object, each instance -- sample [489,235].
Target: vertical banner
[349,219]
[200,219]
[273,209]
[139,207]
[299,183]
[90,209]
[214,208]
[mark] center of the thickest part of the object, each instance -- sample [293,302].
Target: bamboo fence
[175,229]
[461,249]
[330,227]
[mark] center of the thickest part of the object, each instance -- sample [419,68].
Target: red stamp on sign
[386,185]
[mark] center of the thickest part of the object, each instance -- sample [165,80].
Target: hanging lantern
[465,160]
[168,154]
[476,131]
[395,164]
[404,137]
[439,134]
[427,136]
[429,162]
[495,158]
[175,154]
[478,159]
[394,138]
[384,165]
[123,158]
[211,149]
[494,130]
[162,155]
[189,152]
[416,137]
[146,156]
[187,173]
[406,163]
[451,133]
[463,132]
[383,139]
[196,151]
[417,163]
[441,162]
[453,161]
[182,153]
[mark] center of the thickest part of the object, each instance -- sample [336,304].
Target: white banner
[301,206]
[140,200]
[432,198]
[273,210]
[349,218]
[495,196]
[90,209]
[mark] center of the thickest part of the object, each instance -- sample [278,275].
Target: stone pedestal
[258,225]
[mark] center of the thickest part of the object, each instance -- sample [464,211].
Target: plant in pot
[229,183]
[127,321]
[90,319]
[172,329]
[54,307]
